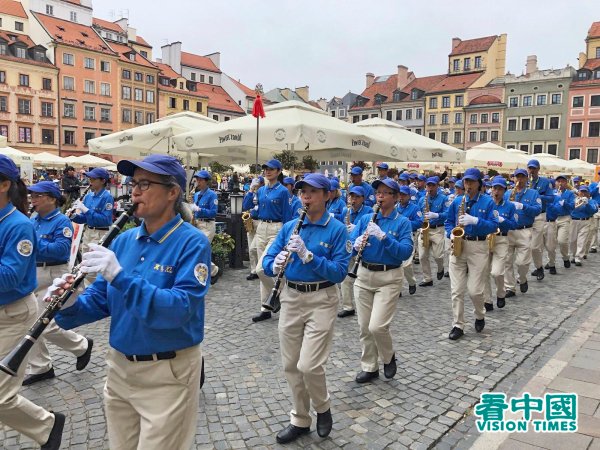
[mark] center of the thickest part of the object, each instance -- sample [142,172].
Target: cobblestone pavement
[245,400]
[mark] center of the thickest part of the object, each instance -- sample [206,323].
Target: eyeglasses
[385,193]
[144,185]
[38,195]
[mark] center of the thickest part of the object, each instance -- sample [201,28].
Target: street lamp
[236,231]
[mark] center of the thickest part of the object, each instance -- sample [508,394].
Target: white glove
[194,207]
[518,205]
[374,230]
[501,219]
[350,227]
[431,215]
[254,183]
[561,202]
[451,198]
[296,245]
[359,242]
[585,200]
[59,285]
[255,208]
[467,219]
[332,215]
[101,260]
[80,206]
[279,261]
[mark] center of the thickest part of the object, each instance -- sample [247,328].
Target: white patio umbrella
[430,165]
[17,156]
[417,148]
[89,161]
[3,141]
[579,167]
[492,156]
[289,125]
[46,159]
[550,164]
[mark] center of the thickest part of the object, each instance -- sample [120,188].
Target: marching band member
[321,252]
[249,204]
[412,212]
[205,208]
[585,208]
[546,193]
[54,233]
[577,182]
[507,220]
[152,283]
[468,270]
[528,205]
[593,234]
[558,219]
[335,204]
[421,187]
[274,210]
[435,212]
[295,202]
[382,171]
[351,216]
[356,176]
[18,309]
[452,186]
[387,244]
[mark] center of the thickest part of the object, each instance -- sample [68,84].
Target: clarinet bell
[272,304]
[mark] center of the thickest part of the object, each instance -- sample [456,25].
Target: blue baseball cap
[289,180]
[334,185]
[488,184]
[389,182]
[452,180]
[404,176]
[576,179]
[459,184]
[382,166]
[472,174]
[357,190]
[356,170]
[261,179]
[584,188]
[405,190]
[158,164]
[421,178]
[317,180]
[534,163]
[499,181]
[413,176]
[98,172]
[486,177]
[563,176]
[272,164]
[203,174]
[520,172]
[433,180]
[9,169]
[46,187]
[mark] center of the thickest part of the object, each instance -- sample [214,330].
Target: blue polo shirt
[482,207]
[54,235]
[17,255]
[296,205]
[544,189]
[532,206]
[274,203]
[412,213]
[356,215]
[556,210]
[437,204]
[336,206]
[156,303]
[369,193]
[585,211]
[208,203]
[100,211]
[508,211]
[327,239]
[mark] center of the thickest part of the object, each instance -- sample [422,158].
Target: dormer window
[582,75]
[60,28]
[20,52]
[84,34]
[379,99]
[3,48]
[414,94]
[132,56]
[396,96]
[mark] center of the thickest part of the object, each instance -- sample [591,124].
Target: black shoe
[202,373]
[584,256]
[55,438]
[547,266]
[593,250]
[489,306]
[535,272]
[479,325]
[446,274]
[389,369]
[324,423]
[578,263]
[440,275]
[34,378]
[412,289]
[291,433]
[213,280]
[524,287]
[500,302]
[510,294]
[346,313]
[567,263]
[400,296]
[426,283]
[572,260]
[416,260]
[264,315]
[83,360]
[363,377]
[455,334]
[251,277]
[552,270]
[540,274]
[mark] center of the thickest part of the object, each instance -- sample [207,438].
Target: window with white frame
[126,92]
[494,136]
[139,95]
[539,123]
[104,114]
[49,10]
[513,102]
[68,59]
[552,149]
[105,89]
[556,99]
[512,125]
[68,83]
[89,112]
[576,129]
[458,118]
[554,123]
[69,110]
[73,16]
[149,96]
[408,114]
[483,136]
[472,136]
[431,119]
[89,87]
[105,66]
[527,100]
[495,117]
[574,153]
[578,101]
[540,99]
[89,63]
[473,119]
[592,155]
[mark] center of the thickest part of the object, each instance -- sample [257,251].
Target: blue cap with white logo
[98,172]
[383,166]
[520,172]
[272,164]
[356,170]
[316,180]
[202,174]
[499,181]
[46,187]
[472,174]
[357,190]
[533,163]
[404,176]
[405,190]
[158,164]
[433,180]
[389,182]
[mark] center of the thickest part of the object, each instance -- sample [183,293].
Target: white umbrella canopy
[3,141]
[17,156]
[580,167]
[45,159]
[416,147]
[289,125]
[492,156]
[550,164]
[89,161]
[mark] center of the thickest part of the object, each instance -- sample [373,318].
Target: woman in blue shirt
[19,309]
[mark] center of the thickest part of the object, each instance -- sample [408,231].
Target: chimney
[531,64]
[370,79]
[131,34]
[286,93]
[402,76]
[302,92]
[215,58]
[123,23]
[171,56]
[582,59]
[455,42]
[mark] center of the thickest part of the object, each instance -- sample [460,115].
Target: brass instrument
[580,200]
[425,226]
[248,221]
[348,211]
[458,232]
[365,237]
[513,194]
[491,239]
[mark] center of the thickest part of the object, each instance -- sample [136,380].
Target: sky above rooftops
[330,45]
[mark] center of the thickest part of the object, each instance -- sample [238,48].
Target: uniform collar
[99,193]
[323,221]
[7,211]
[275,186]
[359,209]
[50,215]
[393,215]
[163,233]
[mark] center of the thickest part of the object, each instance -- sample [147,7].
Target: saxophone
[491,238]
[458,232]
[425,226]
[247,217]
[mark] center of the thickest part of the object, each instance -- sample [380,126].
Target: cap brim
[267,166]
[378,183]
[470,177]
[300,184]
[127,167]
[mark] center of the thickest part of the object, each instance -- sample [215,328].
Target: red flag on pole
[257,109]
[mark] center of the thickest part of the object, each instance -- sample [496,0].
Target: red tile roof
[218,98]
[383,85]
[73,34]
[167,71]
[423,84]
[249,92]
[473,45]
[141,41]
[199,62]
[455,83]
[592,64]
[594,30]
[107,25]
[122,50]
[12,8]
[314,104]
[20,38]
[485,100]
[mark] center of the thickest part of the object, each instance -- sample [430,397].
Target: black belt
[523,227]
[206,220]
[435,226]
[50,264]
[99,228]
[309,287]
[270,221]
[154,357]
[475,238]
[504,234]
[575,218]
[550,220]
[378,267]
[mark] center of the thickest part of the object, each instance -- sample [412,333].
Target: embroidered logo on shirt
[516,217]
[201,273]
[25,247]
[299,210]
[324,244]
[109,206]
[216,201]
[161,268]
[67,232]
[539,200]
[496,214]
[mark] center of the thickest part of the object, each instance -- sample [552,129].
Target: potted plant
[222,245]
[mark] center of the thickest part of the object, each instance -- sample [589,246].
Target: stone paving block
[581,387]
[554,441]
[588,425]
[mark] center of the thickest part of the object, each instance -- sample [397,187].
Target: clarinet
[354,272]
[81,197]
[11,362]
[273,304]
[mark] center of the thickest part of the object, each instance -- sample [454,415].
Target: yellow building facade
[176,94]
